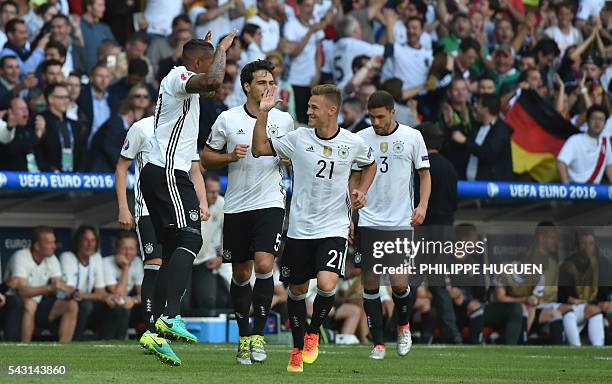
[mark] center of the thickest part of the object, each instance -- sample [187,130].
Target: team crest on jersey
[398,147]
[126,144]
[384,147]
[343,151]
[285,271]
[148,248]
[194,215]
[227,254]
[273,130]
[357,258]
[327,151]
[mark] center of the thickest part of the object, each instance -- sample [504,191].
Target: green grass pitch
[124,362]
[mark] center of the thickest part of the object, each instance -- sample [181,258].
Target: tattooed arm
[207,83]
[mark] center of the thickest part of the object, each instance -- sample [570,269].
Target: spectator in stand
[57,51]
[486,84]
[17,46]
[109,139]
[216,16]
[586,157]
[166,64]
[546,52]
[69,34]
[250,38]
[162,48]
[51,73]
[82,270]
[460,29]
[123,275]
[564,33]
[413,73]
[61,147]
[119,17]
[10,86]
[405,113]
[94,31]
[505,75]
[284,91]
[301,41]
[160,16]
[266,11]
[18,153]
[135,49]
[137,74]
[365,12]
[73,84]
[36,276]
[364,71]
[348,47]
[354,116]
[457,116]
[489,147]
[8,11]
[94,101]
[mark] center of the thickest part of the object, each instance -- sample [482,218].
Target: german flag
[539,134]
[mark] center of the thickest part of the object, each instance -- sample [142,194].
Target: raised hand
[268,99]
[208,37]
[227,41]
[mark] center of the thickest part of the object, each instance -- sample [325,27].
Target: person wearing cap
[505,75]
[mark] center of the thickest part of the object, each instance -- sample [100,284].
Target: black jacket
[495,154]
[106,146]
[48,150]
[13,155]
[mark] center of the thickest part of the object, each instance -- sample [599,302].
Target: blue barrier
[24,181]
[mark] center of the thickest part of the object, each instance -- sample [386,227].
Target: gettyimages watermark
[466,255]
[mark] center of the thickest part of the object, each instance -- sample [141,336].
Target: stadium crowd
[473,75]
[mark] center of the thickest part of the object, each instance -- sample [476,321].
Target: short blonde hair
[331,93]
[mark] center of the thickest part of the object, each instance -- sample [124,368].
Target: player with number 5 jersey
[322,159]
[254,206]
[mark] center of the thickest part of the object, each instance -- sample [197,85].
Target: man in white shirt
[37,278]
[83,273]
[585,157]
[270,29]
[122,278]
[171,182]
[209,290]
[398,150]
[254,205]
[564,33]
[301,42]
[322,159]
[348,47]
[413,72]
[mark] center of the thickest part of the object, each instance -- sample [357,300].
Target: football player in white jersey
[319,218]
[254,205]
[398,150]
[136,147]
[171,181]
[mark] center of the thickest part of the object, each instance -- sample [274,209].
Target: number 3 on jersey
[384,167]
[336,255]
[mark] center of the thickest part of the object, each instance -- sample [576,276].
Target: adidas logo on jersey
[240,132]
[310,149]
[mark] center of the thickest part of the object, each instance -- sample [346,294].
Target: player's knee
[297,290]
[189,239]
[29,306]
[326,286]
[399,290]
[72,307]
[264,264]
[241,272]
[591,310]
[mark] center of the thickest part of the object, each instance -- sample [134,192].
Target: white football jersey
[345,51]
[390,199]
[137,146]
[252,183]
[177,123]
[320,205]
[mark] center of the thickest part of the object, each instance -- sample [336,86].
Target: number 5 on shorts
[278,241]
